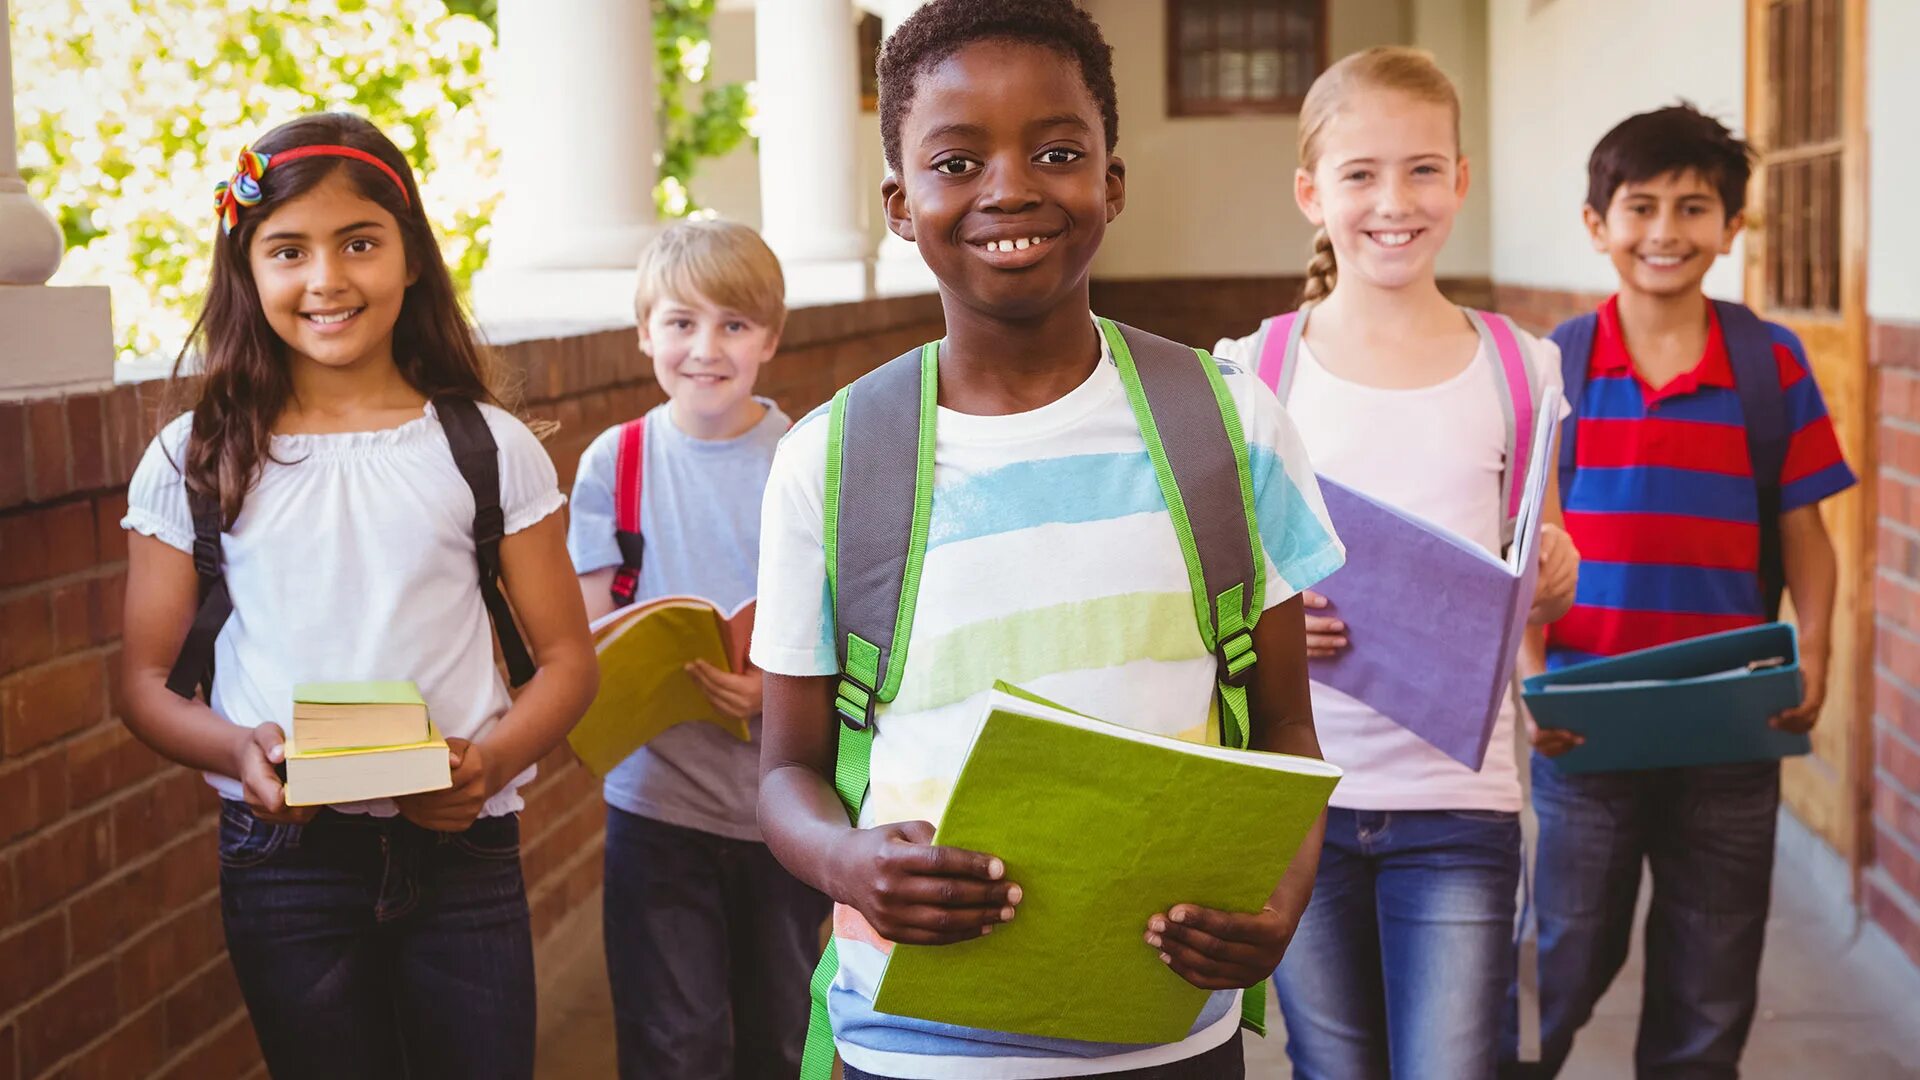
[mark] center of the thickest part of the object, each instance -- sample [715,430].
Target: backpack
[1763,408]
[878,514]
[477,457]
[1277,344]
[629,472]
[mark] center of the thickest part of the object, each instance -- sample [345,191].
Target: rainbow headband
[244,189]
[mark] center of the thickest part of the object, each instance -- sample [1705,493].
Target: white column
[578,133]
[806,68]
[898,268]
[51,339]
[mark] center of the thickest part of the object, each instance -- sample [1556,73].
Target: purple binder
[1434,621]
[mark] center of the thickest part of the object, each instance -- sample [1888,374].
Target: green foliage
[128,113]
[682,48]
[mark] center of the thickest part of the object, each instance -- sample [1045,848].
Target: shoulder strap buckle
[855,703]
[1236,658]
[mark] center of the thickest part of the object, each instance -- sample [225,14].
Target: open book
[1434,621]
[644,649]
[1102,826]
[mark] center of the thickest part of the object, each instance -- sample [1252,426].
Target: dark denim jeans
[1223,1062]
[372,948]
[710,946]
[1401,965]
[1706,833]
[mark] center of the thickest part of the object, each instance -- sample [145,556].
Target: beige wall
[731,185]
[1893,148]
[1210,196]
[1562,73]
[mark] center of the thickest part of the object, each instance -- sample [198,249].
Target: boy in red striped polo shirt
[1702,449]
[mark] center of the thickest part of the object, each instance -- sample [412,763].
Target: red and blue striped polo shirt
[1663,506]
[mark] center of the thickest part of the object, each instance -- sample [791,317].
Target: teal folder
[1705,701]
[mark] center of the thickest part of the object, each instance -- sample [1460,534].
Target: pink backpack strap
[1518,402]
[1279,347]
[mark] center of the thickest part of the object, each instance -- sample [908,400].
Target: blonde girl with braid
[1402,960]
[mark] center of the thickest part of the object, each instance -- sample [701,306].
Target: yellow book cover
[326,777]
[644,687]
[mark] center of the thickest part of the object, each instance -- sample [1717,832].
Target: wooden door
[1806,268]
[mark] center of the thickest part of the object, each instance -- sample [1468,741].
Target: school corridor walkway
[1832,1004]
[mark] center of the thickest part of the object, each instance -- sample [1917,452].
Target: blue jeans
[1223,1062]
[710,946]
[372,948]
[1401,965]
[1706,833]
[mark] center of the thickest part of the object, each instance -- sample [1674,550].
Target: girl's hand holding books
[452,809]
[914,893]
[1559,575]
[1325,636]
[1220,950]
[258,753]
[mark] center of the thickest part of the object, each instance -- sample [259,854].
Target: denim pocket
[490,838]
[245,840]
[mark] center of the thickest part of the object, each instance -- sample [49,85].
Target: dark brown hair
[244,382]
[944,27]
[1677,139]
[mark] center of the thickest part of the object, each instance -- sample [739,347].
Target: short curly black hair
[944,27]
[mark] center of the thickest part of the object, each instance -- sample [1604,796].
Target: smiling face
[1664,233]
[707,358]
[1386,185]
[331,271]
[1005,181]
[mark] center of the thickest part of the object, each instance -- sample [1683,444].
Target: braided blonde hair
[1386,67]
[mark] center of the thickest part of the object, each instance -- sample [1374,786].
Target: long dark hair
[244,382]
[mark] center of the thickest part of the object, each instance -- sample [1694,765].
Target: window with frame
[1803,161]
[1232,57]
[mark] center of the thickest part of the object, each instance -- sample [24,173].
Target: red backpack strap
[1517,401]
[629,480]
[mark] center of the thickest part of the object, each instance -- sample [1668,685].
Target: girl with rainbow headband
[1402,960]
[313,488]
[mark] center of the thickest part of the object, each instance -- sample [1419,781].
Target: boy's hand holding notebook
[1104,828]
[362,740]
[645,650]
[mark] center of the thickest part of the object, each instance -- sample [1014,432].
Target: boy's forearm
[801,817]
[1282,719]
[1812,577]
[596,589]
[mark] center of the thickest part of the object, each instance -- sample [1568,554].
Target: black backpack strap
[193,666]
[477,457]
[1575,338]
[629,482]
[1763,406]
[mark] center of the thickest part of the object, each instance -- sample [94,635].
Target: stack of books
[353,741]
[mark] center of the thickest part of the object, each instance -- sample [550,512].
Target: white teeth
[329,320]
[1021,245]
[1663,260]
[1393,239]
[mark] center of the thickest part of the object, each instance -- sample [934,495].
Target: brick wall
[1540,310]
[111,958]
[1892,882]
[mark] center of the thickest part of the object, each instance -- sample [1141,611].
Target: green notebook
[1102,826]
[375,692]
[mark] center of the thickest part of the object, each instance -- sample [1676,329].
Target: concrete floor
[1833,1003]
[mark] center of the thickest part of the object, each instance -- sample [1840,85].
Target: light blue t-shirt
[700,515]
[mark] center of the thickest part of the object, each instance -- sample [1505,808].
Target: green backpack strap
[1199,450]
[874,530]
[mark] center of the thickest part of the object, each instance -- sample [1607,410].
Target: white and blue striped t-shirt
[1053,564]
